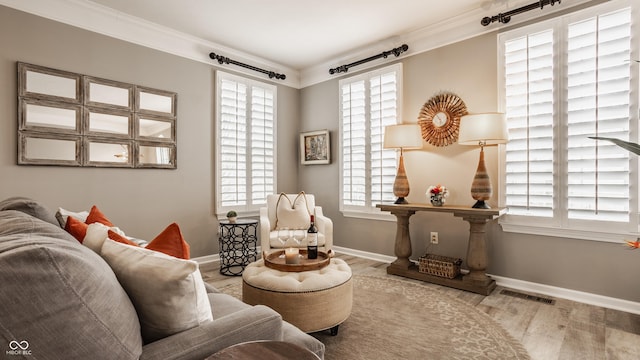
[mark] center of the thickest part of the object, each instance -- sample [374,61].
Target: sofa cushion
[30,207]
[168,293]
[59,296]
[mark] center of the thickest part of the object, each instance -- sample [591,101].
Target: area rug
[395,319]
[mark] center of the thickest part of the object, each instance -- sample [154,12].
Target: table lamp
[483,130]
[402,137]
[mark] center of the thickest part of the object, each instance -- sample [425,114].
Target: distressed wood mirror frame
[70,119]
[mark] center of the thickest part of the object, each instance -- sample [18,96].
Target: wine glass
[299,235]
[283,236]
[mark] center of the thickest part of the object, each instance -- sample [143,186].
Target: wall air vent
[528,297]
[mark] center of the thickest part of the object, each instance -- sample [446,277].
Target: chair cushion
[292,213]
[272,201]
[59,296]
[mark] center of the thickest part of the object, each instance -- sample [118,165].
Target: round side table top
[264,350]
[239,222]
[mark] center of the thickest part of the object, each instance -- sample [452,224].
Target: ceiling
[300,38]
[298,34]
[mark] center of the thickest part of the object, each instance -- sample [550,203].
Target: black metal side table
[237,245]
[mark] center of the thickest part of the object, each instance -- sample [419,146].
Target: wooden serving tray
[276,262]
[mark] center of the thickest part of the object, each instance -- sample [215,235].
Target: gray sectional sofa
[61,300]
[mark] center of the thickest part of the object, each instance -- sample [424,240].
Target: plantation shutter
[369,103]
[246,152]
[529,101]
[354,144]
[262,145]
[565,80]
[233,143]
[598,76]
[383,112]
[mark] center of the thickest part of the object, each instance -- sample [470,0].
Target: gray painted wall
[469,69]
[142,202]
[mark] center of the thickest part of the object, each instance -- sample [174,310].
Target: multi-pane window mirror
[77,120]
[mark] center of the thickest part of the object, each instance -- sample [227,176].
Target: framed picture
[315,148]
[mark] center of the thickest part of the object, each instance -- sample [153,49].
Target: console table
[476,280]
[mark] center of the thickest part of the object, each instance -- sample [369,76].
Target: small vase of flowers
[437,194]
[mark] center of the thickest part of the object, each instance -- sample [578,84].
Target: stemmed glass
[299,235]
[283,236]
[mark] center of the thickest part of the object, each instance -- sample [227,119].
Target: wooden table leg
[402,246]
[477,259]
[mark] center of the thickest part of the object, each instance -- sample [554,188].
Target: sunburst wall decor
[439,118]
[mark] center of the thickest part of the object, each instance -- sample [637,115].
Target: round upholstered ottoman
[312,300]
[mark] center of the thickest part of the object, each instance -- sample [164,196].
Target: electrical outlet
[434,237]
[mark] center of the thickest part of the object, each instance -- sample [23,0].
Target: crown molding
[458,28]
[106,21]
[103,20]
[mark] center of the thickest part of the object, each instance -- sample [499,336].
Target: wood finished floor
[565,330]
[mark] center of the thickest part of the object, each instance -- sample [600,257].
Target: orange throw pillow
[170,242]
[119,238]
[76,228]
[95,215]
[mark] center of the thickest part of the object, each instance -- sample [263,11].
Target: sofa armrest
[265,229]
[325,226]
[211,289]
[255,323]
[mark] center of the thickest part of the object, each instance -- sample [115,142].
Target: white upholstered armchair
[292,211]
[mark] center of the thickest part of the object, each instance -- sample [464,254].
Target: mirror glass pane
[49,149]
[107,123]
[113,153]
[154,128]
[51,85]
[160,155]
[154,102]
[108,94]
[37,115]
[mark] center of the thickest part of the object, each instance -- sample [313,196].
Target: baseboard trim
[542,289]
[568,294]
[207,259]
[364,254]
[216,257]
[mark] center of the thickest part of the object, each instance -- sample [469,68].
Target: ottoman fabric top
[260,276]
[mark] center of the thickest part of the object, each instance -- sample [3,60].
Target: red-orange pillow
[119,238]
[170,242]
[95,215]
[76,228]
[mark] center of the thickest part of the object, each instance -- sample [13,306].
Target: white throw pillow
[292,214]
[62,215]
[97,233]
[168,293]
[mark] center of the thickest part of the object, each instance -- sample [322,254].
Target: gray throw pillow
[30,207]
[59,297]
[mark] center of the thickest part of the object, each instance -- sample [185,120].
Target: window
[565,80]
[246,154]
[368,103]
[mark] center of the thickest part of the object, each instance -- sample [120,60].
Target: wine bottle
[312,240]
